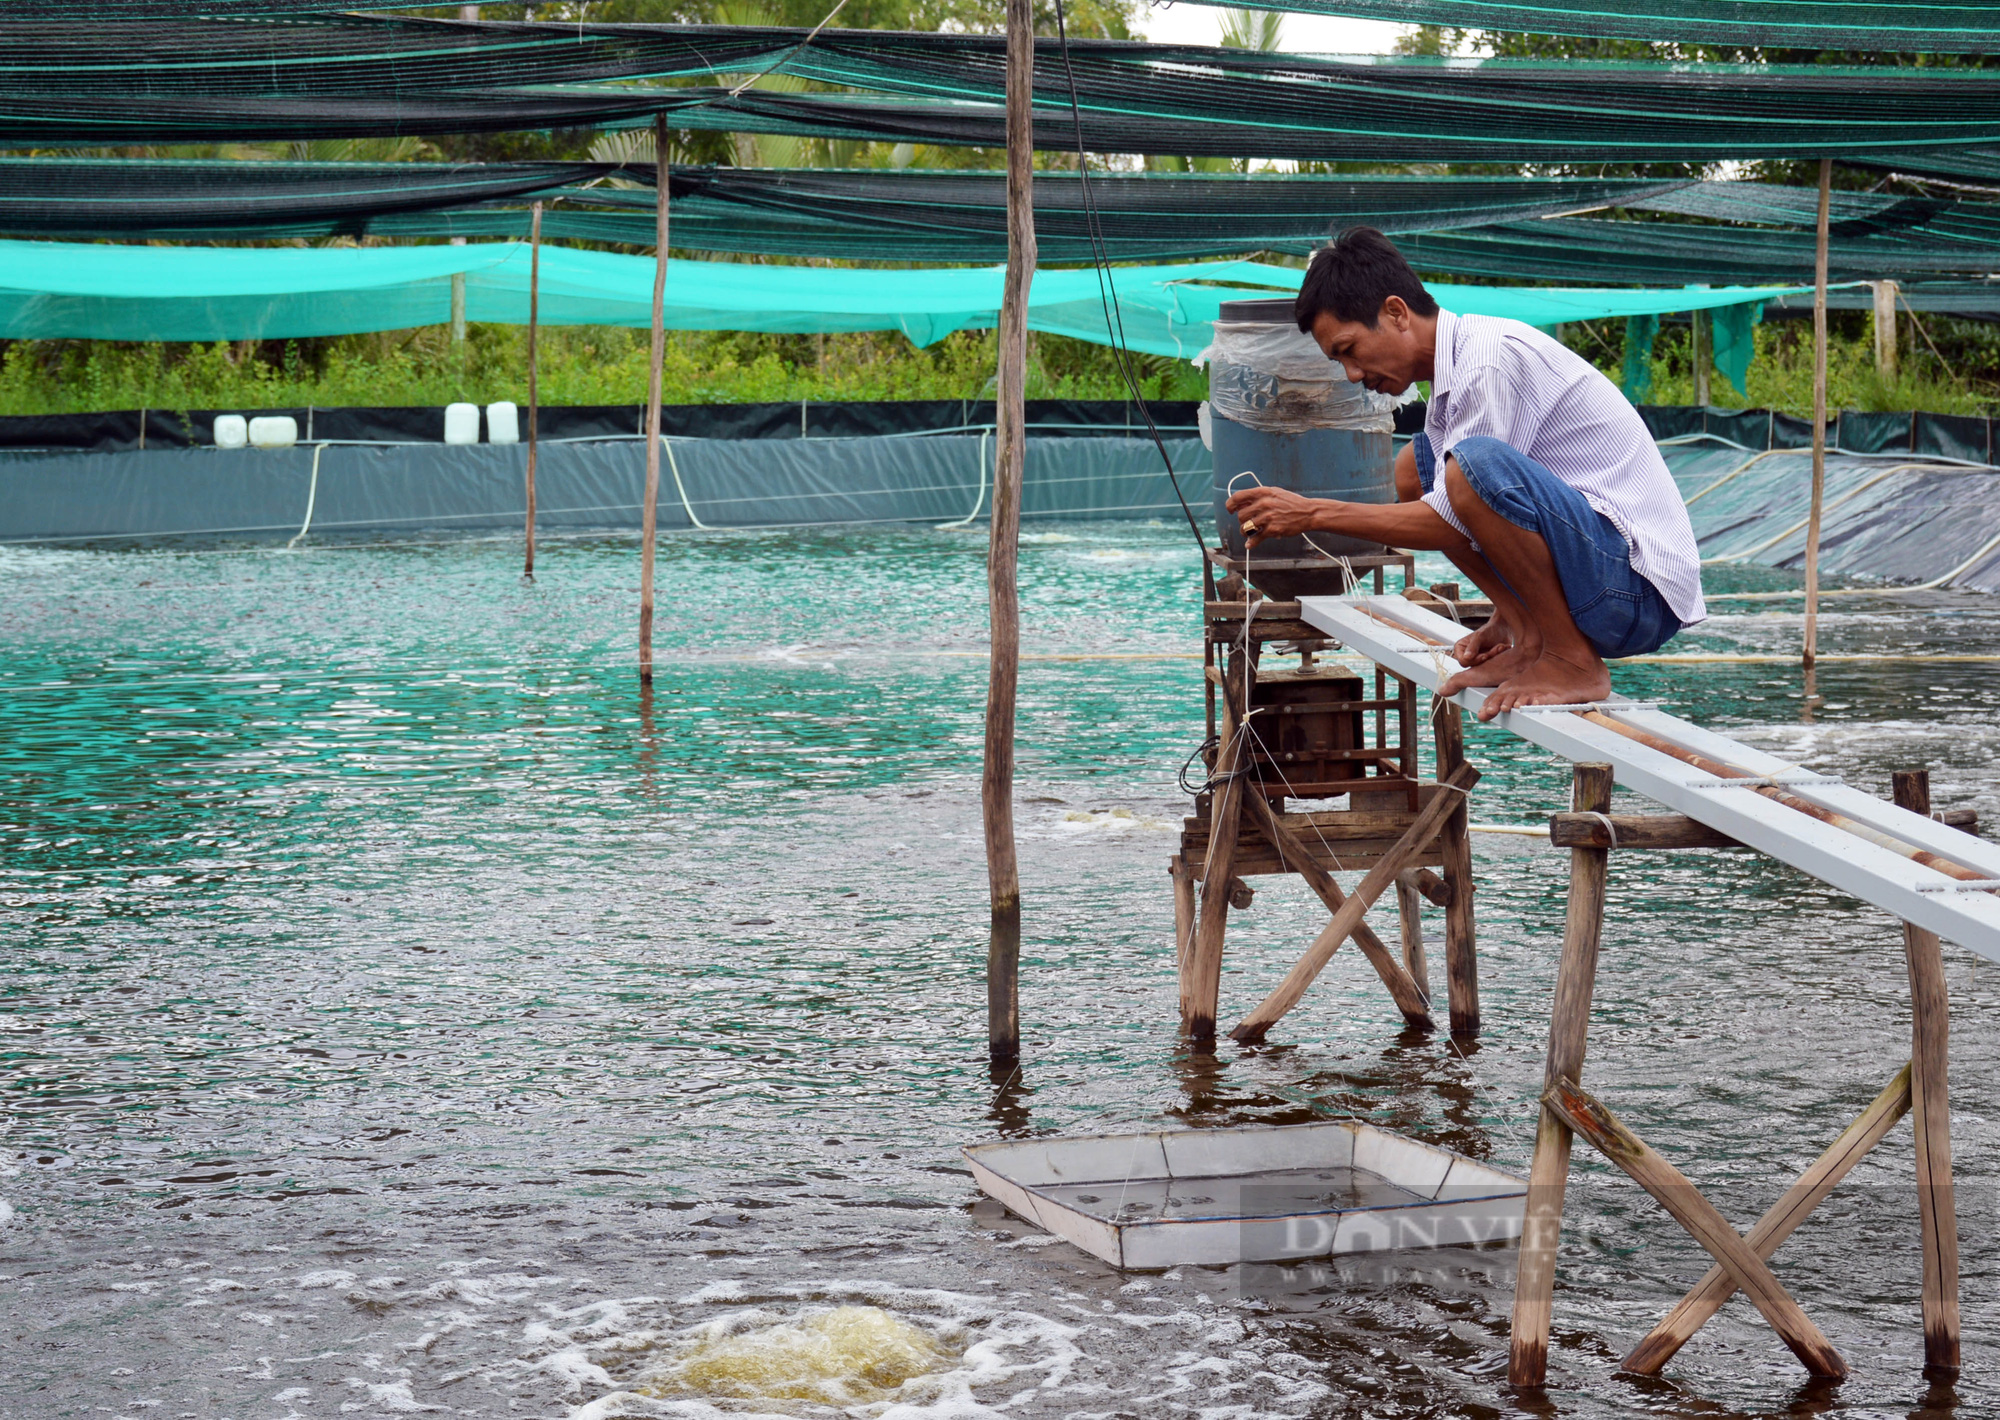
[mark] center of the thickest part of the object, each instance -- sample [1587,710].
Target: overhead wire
[1114,320]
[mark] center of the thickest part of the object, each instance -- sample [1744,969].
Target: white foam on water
[878,1351]
[1096,821]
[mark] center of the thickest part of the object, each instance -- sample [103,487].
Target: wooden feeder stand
[1312,732]
[1590,832]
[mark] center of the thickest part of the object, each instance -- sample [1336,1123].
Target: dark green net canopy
[1770,24]
[244,80]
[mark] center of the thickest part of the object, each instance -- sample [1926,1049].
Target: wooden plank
[1262,861]
[1930,1098]
[1410,918]
[1257,611]
[1707,1296]
[1569,1032]
[1461,946]
[1671,830]
[1410,998]
[1254,1026]
[1672,1191]
[1400,635]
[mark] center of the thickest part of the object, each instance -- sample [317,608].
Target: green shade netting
[1770,24]
[51,290]
[65,84]
[874,214]
[1734,345]
[1637,377]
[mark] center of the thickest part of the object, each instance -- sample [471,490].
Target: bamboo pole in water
[1003,951]
[534,393]
[1819,415]
[649,517]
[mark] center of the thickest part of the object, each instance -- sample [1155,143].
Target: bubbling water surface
[407,1016]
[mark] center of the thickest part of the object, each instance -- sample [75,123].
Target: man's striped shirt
[1507,380]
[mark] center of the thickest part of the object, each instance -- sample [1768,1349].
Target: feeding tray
[1256,1194]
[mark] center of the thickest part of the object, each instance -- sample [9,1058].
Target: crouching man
[1533,475]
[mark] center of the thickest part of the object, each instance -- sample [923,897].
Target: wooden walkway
[1915,868]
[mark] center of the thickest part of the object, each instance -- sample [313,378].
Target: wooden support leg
[1930,1020]
[1706,1297]
[1183,923]
[1461,955]
[1348,916]
[1569,1029]
[1410,912]
[1671,1189]
[1294,852]
[1204,975]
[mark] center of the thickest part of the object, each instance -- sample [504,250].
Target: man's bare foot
[1494,669]
[1551,680]
[1488,641]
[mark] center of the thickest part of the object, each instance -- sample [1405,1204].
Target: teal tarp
[82,291]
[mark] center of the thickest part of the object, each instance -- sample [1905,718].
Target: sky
[1303,34]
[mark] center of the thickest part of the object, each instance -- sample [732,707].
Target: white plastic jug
[461,423]
[274,431]
[503,422]
[231,431]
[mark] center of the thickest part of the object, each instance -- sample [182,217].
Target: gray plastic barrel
[1279,409]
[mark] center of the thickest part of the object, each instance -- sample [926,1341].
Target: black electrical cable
[1114,320]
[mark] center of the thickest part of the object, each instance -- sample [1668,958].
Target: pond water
[406,1016]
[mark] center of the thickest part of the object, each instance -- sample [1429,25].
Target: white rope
[1609,827]
[980,501]
[312,497]
[679,487]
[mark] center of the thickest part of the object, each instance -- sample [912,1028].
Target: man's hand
[1274,512]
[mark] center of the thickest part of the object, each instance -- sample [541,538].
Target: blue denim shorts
[1618,611]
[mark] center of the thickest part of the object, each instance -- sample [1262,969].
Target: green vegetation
[1961,376]
[580,365]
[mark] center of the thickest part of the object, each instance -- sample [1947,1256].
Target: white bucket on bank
[232,431]
[503,422]
[1261,1193]
[461,423]
[274,431]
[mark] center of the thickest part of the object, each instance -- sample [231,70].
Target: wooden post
[1930,1100]
[1461,953]
[1704,359]
[1569,1029]
[534,390]
[1202,988]
[1410,910]
[458,301]
[1885,328]
[1819,416]
[1003,951]
[649,516]
[1184,920]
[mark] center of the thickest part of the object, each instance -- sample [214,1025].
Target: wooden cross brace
[1347,912]
[1734,1255]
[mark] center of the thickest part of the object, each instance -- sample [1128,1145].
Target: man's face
[1384,357]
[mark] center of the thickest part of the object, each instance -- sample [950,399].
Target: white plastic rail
[1415,643]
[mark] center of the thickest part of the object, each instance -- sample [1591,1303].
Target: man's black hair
[1354,276]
